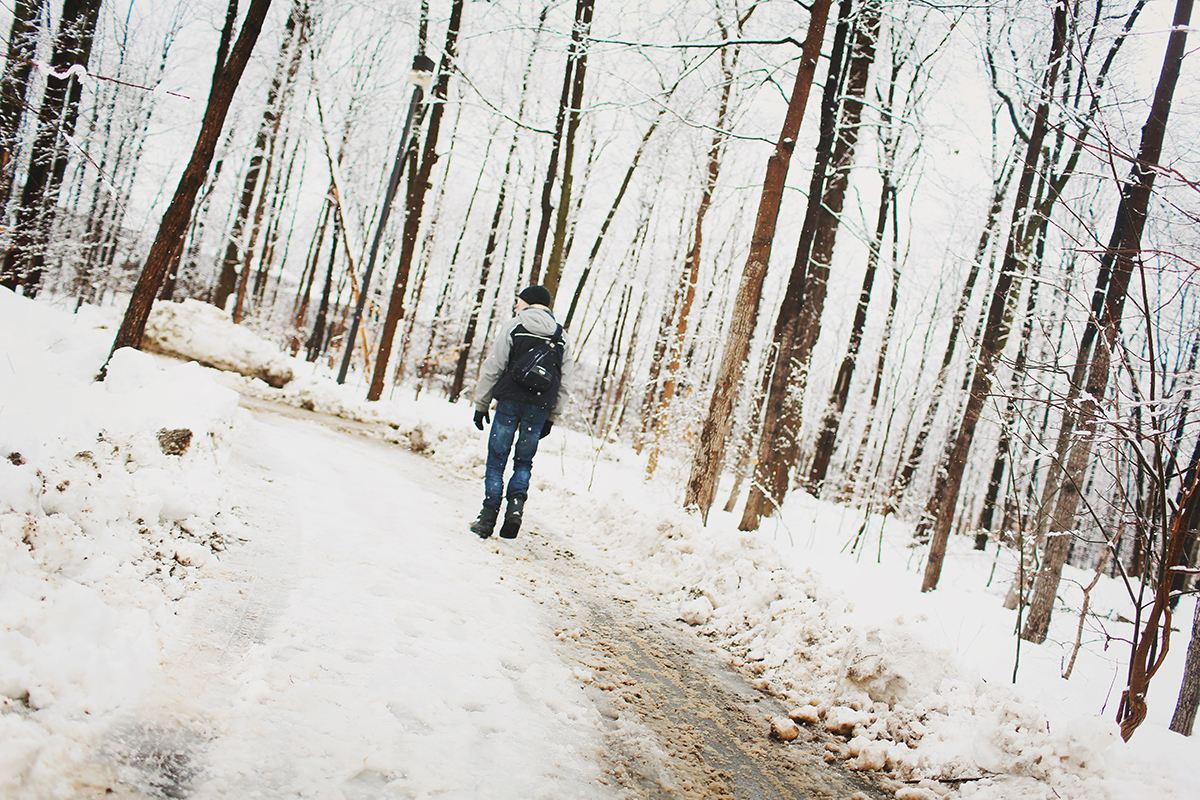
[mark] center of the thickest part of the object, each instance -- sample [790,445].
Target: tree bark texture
[14,86]
[227,282]
[178,213]
[582,7]
[1189,691]
[579,44]
[418,186]
[48,162]
[714,435]
[774,444]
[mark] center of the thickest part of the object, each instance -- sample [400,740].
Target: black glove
[546,429]
[480,418]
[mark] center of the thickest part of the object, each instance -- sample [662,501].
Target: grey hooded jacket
[535,319]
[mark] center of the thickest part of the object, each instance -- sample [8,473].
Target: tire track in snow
[654,679]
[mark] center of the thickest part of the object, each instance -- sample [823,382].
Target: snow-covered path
[365,645]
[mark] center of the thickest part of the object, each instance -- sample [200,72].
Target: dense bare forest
[933,260]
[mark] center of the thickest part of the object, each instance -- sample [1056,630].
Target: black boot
[512,518]
[486,522]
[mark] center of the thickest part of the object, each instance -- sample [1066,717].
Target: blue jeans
[512,420]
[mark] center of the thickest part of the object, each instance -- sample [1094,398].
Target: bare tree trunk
[319,337]
[416,201]
[56,119]
[582,8]
[175,220]
[710,450]
[620,401]
[1124,252]
[1009,416]
[939,512]
[227,284]
[611,357]
[579,45]
[309,277]
[848,488]
[827,438]
[14,87]
[1152,642]
[774,452]
[1189,691]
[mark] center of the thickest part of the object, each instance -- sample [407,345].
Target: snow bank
[111,503]
[900,700]
[196,331]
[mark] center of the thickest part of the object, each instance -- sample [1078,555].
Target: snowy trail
[363,646]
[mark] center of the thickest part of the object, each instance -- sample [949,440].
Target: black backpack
[539,368]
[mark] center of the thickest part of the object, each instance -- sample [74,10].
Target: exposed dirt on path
[681,723]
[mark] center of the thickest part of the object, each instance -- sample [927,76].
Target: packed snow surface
[194,596]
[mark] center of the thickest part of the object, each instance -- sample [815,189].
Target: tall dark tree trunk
[14,87]
[309,276]
[1189,690]
[316,342]
[773,440]
[418,186]
[583,10]
[880,362]
[175,220]
[939,512]
[1009,416]
[714,435]
[56,123]
[227,283]
[840,394]
[277,102]
[579,49]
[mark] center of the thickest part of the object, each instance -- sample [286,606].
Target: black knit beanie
[536,296]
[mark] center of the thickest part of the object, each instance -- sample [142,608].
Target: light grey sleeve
[494,366]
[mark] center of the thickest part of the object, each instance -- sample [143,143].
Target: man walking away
[528,373]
